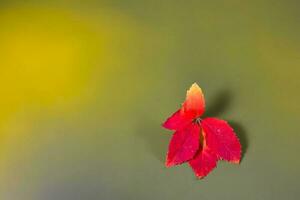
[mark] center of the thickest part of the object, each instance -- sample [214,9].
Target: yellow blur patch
[53,61]
[49,57]
[41,53]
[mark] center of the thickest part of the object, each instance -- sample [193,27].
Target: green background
[85,86]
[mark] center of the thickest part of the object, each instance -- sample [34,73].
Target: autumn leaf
[200,142]
[184,145]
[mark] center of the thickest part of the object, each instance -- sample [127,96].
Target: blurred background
[85,86]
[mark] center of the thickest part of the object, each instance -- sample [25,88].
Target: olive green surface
[86,86]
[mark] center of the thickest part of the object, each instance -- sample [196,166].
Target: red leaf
[202,151]
[177,121]
[204,162]
[183,146]
[194,103]
[193,106]
[222,139]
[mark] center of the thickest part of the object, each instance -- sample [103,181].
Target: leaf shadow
[220,104]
